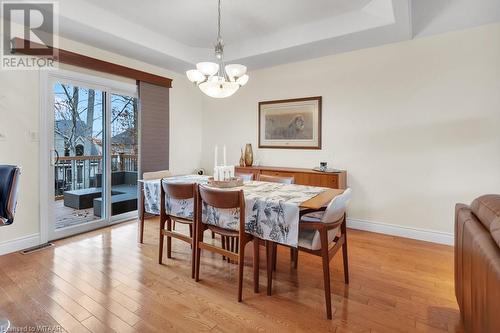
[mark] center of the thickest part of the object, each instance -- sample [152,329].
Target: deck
[66,216]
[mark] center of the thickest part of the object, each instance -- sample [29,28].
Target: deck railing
[81,172]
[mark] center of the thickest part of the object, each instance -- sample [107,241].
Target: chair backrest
[156,175]
[337,207]
[277,179]
[179,191]
[221,198]
[244,176]
[9,186]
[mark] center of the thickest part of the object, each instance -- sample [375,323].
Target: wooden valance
[27,47]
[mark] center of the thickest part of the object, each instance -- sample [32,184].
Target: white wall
[19,117]
[416,124]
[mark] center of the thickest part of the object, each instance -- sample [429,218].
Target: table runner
[271,209]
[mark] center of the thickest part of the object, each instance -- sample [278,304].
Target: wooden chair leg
[275,254]
[160,246]
[191,234]
[193,250]
[173,225]
[269,266]
[256,263]
[199,239]
[326,272]
[141,220]
[236,244]
[241,264]
[294,257]
[169,239]
[343,229]
[231,246]
[141,229]
[223,243]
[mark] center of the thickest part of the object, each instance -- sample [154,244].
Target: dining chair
[231,243]
[9,187]
[142,214]
[323,233]
[222,199]
[184,194]
[245,176]
[277,179]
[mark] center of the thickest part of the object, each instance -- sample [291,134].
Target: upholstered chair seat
[334,213]
[310,239]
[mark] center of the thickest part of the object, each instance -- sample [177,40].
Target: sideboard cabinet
[310,177]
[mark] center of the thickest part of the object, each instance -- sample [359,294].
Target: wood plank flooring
[103,281]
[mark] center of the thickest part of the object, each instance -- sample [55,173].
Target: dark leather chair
[477,263]
[9,183]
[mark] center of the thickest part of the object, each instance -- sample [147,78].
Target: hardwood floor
[103,281]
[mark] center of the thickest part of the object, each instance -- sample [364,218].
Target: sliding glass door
[124,142]
[92,142]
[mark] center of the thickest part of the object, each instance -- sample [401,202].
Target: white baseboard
[20,243]
[401,231]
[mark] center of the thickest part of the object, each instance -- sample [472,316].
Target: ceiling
[194,22]
[176,34]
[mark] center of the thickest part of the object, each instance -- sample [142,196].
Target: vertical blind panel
[154,103]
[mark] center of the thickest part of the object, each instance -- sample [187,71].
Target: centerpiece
[223,174]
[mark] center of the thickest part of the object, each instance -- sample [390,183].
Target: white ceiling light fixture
[218,80]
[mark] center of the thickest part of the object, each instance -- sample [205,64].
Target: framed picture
[291,123]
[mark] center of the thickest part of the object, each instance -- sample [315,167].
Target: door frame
[46,130]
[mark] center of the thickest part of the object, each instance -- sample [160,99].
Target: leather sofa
[477,263]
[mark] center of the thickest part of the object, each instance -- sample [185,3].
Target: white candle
[216,173]
[225,155]
[215,158]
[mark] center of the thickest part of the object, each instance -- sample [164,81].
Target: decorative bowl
[233,182]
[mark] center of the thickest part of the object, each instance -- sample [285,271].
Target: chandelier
[216,79]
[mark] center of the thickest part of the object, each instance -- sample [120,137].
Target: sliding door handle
[54,157]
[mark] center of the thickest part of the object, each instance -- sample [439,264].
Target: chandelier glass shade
[216,79]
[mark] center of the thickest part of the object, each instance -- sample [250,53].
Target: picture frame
[290,123]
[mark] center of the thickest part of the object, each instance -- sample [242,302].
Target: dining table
[272,210]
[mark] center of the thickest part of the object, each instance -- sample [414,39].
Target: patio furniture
[82,199]
[123,194]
